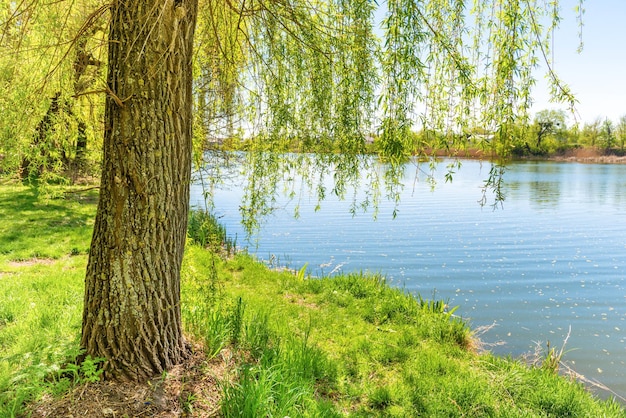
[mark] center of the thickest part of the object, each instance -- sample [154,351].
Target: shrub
[205,230]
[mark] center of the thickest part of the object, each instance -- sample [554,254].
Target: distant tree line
[550,134]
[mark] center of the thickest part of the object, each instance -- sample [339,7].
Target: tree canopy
[341,70]
[317,76]
[330,76]
[322,73]
[274,76]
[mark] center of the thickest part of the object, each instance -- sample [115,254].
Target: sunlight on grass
[34,228]
[40,314]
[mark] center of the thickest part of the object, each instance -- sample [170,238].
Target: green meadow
[293,345]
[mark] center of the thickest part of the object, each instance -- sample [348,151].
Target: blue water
[549,263]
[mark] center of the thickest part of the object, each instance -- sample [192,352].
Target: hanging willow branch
[318,78]
[331,76]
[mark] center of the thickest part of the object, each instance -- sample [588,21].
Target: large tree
[304,71]
[310,72]
[132,289]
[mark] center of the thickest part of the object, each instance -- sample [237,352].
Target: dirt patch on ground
[191,389]
[31,262]
[590,156]
[299,300]
[579,155]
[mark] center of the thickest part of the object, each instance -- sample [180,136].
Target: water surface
[550,263]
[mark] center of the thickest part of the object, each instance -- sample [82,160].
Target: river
[548,265]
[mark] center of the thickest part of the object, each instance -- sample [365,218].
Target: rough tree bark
[132,289]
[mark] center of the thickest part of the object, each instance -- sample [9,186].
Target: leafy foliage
[325,76]
[88,371]
[52,59]
[332,77]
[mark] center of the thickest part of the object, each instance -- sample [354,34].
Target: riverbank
[576,155]
[589,156]
[266,343]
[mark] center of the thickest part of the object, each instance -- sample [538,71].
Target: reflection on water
[551,260]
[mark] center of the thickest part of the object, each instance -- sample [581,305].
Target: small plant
[235,321]
[6,315]
[552,358]
[549,358]
[259,337]
[306,360]
[300,275]
[212,324]
[187,402]
[436,306]
[380,398]
[89,371]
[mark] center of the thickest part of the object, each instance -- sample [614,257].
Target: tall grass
[205,230]
[280,378]
[353,346]
[277,373]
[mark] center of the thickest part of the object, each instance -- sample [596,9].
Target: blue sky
[598,74]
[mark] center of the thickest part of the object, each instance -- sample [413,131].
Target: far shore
[578,155]
[600,159]
[589,156]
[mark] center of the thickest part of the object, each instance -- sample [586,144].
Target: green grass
[37,227]
[42,266]
[347,346]
[205,230]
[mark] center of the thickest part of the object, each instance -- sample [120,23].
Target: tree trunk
[132,314]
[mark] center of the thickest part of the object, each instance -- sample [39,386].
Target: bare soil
[191,389]
[31,262]
[579,155]
[590,156]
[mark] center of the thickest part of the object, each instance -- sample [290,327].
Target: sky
[597,76]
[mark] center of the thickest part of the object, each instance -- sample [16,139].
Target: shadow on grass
[35,227]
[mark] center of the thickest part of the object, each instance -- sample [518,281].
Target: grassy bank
[267,343]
